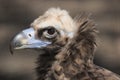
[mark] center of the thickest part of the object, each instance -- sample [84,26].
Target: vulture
[66,46]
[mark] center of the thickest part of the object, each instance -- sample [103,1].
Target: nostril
[30,35]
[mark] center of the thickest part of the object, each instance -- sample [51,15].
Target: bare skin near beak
[26,40]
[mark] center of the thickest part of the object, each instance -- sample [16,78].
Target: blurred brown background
[16,15]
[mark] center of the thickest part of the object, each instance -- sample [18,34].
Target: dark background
[16,15]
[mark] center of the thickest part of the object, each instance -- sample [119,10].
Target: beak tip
[11,49]
[11,52]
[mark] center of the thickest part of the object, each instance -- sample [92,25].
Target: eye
[50,32]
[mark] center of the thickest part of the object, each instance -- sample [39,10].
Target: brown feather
[75,60]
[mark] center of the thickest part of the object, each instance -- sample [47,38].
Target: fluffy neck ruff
[75,57]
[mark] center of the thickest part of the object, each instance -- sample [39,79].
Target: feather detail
[75,59]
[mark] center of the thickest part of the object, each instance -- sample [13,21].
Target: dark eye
[51,31]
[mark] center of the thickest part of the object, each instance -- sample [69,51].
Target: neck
[73,59]
[44,63]
[77,55]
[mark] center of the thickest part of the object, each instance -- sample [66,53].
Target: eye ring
[50,32]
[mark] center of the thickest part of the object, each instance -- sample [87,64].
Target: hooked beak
[26,40]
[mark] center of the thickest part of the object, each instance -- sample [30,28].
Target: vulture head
[48,32]
[66,43]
